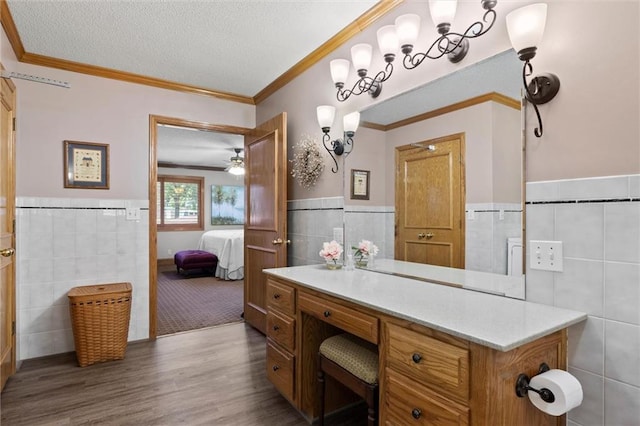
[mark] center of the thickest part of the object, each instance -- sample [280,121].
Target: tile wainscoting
[598,222]
[64,243]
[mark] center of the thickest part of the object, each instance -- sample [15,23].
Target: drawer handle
[327,314]
[276,328]
[275,368]
[416,358]
[276,296]
[416,413]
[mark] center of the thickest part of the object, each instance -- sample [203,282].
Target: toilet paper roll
[565,387]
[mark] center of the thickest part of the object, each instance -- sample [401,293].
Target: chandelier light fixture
[337,147]
[403,36]
[526,27]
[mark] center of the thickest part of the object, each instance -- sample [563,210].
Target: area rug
[190,303]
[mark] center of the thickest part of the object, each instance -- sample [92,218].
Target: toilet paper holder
[522,386]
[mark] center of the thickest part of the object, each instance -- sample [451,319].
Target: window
[180,203]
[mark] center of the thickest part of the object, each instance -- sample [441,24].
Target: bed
[228,245]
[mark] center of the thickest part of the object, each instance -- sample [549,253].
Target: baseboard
[165,262]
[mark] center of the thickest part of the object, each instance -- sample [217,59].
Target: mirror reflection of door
[430,200]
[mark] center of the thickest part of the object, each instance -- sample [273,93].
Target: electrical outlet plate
[545,255]
[133,213]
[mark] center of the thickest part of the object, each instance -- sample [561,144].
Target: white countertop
[498,322]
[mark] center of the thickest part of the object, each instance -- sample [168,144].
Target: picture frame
[360,184]
[227,205]
[86,165]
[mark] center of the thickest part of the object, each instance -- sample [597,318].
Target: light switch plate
[545,255]
[132,213]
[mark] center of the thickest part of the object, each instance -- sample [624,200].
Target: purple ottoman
[187,260]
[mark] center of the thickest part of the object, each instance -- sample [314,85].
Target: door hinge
[14,226]
[13,328]
[14,124]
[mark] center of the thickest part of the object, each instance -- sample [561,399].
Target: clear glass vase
[333,264]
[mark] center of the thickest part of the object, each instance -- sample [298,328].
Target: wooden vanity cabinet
[281,333]
[427,376]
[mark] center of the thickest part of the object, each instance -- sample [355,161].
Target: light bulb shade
[361,56]
[351,121]
[236,170]
[407,29]
[443,11]
[526,26]
[339,70]
[326,114]
[388,40]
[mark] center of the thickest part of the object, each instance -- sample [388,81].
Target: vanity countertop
[498,322]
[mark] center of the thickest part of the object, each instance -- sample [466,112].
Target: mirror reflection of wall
[480,101]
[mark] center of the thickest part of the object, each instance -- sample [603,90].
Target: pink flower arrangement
[365,248]
[331,251]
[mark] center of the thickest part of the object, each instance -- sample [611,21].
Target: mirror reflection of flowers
[331,251]
[365,248]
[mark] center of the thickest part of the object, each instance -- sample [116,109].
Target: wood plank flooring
[214,376]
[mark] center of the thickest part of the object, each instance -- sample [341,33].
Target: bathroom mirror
[482,103]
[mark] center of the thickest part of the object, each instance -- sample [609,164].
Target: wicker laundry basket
[100,320]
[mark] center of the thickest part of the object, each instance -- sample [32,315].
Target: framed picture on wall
[86,165]
[360,184]
[227,205]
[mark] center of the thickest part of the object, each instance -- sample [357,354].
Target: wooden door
[430,202]
[7,237]
[265,229]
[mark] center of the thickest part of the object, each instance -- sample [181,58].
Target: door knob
[8,252]
[280,241]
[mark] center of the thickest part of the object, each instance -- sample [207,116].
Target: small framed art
[86,165]
[360,184]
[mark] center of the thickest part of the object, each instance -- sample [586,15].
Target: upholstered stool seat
[187,260]
[354,363]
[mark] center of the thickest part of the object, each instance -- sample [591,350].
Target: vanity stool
[354,363]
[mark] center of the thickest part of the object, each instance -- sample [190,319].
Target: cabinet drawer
[281,329]
[436,364]
[407,403]
[281,297]
[280,370]
[347,319]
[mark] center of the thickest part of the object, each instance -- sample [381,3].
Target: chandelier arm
[445,45]
[527,70]
[326,138]
[384,74]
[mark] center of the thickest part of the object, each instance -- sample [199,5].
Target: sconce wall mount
[337,147]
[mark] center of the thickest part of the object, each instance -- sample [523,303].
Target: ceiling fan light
[236,170]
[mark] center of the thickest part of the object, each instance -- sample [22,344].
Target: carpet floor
[197,302]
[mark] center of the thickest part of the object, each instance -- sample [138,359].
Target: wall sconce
[525,27]
[454,45]
[326,114]
[404,35]
[361,58]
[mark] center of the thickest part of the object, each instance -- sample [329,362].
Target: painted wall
[170,243]
[591,132]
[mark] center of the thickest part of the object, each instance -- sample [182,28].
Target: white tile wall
[64,243]
[598,221]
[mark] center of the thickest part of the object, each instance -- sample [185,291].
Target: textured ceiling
[237,47]
[196,147]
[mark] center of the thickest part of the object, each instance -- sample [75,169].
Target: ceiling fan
[236,163]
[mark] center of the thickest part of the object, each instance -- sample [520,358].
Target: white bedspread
[228,245]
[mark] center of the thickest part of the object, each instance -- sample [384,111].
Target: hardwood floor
[214,376]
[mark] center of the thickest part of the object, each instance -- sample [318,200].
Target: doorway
[430,202]
[161,262]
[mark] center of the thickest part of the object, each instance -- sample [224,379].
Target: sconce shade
[326,114]
[388,40]
[339,70]
[526,26]
[407,29]
[443,11]
[361,56]
[351,121]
